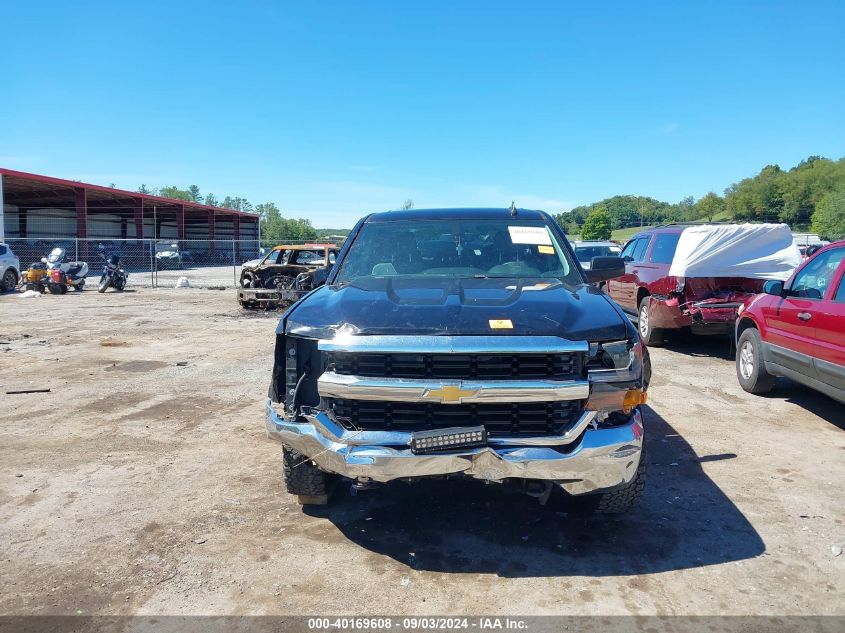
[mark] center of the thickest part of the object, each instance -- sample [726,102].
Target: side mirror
[773,287]
[604,268]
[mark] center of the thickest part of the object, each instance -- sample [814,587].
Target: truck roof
[458,214]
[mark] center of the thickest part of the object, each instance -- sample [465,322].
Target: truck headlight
[616,361]
[615,371]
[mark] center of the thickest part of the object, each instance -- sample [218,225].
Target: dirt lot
[141,486]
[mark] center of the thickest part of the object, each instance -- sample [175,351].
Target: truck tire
[750,368]
[304,479]
[622,499]
[650,335]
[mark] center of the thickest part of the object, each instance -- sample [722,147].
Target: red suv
[797,329]
[705,305]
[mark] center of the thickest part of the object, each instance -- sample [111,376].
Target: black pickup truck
[461,342]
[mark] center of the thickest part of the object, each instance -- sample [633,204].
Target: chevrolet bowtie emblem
[449,394]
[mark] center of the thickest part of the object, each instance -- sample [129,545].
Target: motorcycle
[113,274]
[61,274]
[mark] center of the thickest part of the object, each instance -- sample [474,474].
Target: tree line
[809,196]
[274,228]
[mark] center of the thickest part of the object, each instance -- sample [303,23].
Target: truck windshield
[457,248]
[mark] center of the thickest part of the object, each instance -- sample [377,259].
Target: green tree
[237,203]
[175,193]
[829,216]
[144,189]
[597,225]
[211,200]
[709,206]
[194,194]
[407,205]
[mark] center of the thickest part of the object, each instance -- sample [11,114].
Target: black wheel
[104,284]
[750,368]
[62,289]
[303,478]
[79,287]
[9,282]
[54,289]
[622,499]
[650,335]
[646,369]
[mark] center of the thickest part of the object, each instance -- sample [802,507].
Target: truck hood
[393,305]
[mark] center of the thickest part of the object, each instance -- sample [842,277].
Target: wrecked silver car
[463,343]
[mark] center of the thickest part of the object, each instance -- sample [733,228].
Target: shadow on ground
[699,346]
[813,401]
[463,526]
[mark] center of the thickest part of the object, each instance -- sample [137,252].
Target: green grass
[623,235]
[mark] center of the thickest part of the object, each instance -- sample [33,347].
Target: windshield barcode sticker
[530,235]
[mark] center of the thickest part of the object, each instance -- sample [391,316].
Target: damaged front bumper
[266,296]
[584,460]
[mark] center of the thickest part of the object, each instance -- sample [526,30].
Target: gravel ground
[143,483]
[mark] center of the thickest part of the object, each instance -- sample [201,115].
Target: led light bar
[448,439]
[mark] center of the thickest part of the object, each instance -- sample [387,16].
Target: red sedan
[797,329]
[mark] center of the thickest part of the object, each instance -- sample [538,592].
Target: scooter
[113,274]
[62,275]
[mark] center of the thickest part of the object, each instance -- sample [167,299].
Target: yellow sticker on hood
[501,324]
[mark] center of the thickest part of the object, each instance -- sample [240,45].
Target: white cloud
[669,128]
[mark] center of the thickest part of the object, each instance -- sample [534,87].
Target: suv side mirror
[773,287]
[604,268]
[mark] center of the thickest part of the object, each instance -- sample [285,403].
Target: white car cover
[755,251]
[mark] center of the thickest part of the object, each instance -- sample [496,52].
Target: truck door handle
[804,316]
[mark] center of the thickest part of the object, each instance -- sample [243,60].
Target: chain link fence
[153,263]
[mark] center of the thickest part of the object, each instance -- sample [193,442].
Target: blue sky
[334,109]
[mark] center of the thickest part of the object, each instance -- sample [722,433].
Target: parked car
[10,269]
[720,267]
[284,274]
[585,250]
[167,255]
[797,329]
[493,359]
